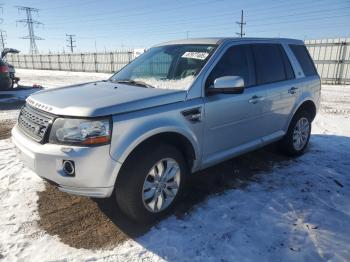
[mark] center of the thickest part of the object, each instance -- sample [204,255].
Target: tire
[289,144]
[139,173]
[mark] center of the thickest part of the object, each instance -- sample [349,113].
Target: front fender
[132,129]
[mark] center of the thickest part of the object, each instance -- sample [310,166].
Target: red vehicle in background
[7,72]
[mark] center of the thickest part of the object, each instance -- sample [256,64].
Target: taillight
[4,69]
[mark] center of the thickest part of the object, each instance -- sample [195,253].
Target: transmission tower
[241,24]
[71,42]
[29,22]
[2,39]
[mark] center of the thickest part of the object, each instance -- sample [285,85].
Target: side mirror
[227,85]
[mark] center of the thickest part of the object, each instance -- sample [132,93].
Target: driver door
[233,122]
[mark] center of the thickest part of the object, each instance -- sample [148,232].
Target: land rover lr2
[180,107]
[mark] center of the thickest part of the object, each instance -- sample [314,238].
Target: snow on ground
[49,79]
[298,211]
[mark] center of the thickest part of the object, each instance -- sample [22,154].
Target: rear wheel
[298,134]
[150,183]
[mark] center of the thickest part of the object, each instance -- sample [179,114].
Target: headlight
[81,131]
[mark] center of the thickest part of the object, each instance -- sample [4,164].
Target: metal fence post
[49,58]
[82,62]
[59,62]
[70,62]
[112,61]
[95,61]
[340,63]
[41,61]
[33,66]
[130,56]
[25,61]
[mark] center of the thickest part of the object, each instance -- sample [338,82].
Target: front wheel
[151,182]
[298,135]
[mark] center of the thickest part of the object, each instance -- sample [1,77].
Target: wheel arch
[307,105]
[185,142]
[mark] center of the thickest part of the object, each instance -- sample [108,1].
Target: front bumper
[95,170]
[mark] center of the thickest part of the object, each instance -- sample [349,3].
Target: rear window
[270,66]
[304,59]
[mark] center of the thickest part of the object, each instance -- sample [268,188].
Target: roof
[219,40]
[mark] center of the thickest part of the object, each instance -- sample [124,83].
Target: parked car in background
[5,80]
[180,107]
[7,71]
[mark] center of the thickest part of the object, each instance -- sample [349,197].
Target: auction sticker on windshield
[196,55]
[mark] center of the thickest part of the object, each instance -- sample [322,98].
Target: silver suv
[180,107]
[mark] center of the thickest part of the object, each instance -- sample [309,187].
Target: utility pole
[71,42]
[2,33]
[241,24]
[1,20]
[29,22]
[2,39]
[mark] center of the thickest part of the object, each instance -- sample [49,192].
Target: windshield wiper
[133,82]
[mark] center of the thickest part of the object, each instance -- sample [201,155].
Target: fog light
[68,167]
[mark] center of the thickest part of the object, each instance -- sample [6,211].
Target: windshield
[166,67]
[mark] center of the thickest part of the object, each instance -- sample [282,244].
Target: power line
[71,42]
[29,22]
[241,24]
[68,19]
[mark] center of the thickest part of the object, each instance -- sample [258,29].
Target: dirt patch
[8,117]
[5,128]
[82,222]
[78,221]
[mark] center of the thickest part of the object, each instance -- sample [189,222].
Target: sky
[108,25]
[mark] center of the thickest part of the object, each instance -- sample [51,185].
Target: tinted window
[269,63]
[304,59]
[288,67]
[237,61]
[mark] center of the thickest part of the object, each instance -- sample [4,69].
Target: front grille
[34,123]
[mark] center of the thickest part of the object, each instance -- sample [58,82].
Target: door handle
[193,114]
[292,90]
[255,99]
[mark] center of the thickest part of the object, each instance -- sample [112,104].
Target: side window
[304,59]
[269,63]
[237,61]
[287,65]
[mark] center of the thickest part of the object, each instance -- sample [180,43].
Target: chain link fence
[331,57]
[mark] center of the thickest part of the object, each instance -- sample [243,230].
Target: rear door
[276,76]
[233,121]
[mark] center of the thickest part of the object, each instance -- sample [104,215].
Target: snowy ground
[48,78]
[289,210]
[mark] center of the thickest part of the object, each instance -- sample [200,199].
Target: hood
[102,98]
